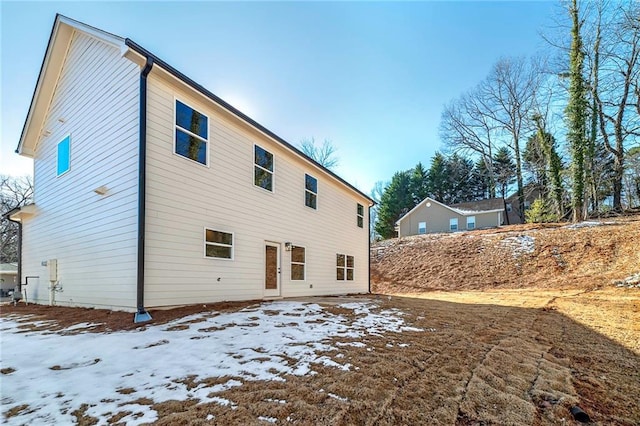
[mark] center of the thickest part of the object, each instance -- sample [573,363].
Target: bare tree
[14,192]
[466,127]
[615,78]
[510,93]
[325,154]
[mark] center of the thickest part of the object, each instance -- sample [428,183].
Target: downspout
[369,253]
[141,314]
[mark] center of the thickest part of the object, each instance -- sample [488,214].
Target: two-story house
[150,191]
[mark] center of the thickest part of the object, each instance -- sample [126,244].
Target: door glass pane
[271,268]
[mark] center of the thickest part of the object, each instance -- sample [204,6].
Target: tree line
[567,124]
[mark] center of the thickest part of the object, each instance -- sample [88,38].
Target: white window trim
[304,185]
[175,126]
[451,221]
[359,215]
[345,267]
[68,135]
[204,248]
[299,263]
[253,170]
[425,228]
[468,222]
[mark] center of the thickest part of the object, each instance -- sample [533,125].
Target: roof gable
[61,35]
[456,208]
[59,41]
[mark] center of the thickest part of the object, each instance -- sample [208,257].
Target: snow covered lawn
[46,375]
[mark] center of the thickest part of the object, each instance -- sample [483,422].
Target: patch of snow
[339,398]
[268,419]
[210,417]
[522,244]
[56,372]
[586,224]
[81,326]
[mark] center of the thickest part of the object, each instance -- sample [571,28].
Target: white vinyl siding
[92,236]
[224,198]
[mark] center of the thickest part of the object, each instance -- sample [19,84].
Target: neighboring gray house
[432,216]
[8,277]
[150,191]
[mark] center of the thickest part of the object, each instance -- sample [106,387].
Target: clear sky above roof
[370,76]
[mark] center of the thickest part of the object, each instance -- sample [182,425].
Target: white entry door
[271,269]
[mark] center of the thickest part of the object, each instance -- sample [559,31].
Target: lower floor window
[218,244]
[453,224]
[422,227]
[344,267]
[298,263]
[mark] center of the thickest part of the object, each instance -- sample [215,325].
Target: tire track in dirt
[517,375]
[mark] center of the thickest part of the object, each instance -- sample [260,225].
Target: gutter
[199,88]
[141,314]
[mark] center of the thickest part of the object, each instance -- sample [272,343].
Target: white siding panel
[184,197]
[93,237]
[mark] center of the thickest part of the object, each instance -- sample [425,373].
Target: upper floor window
[453,224]
[192,133]
[298,263]
[218,244]
[360,211]
[422,227]
[471,222]
[64,155]
[310,191]
[263,168]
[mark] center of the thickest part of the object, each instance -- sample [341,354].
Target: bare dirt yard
[507,327]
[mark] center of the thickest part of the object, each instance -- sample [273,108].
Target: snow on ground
[522,244]
[55,373]
[586,224]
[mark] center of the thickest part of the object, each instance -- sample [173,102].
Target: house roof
[61,35]
[457,210]
[481,205]
[8,268]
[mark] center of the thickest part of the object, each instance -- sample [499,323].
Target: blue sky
[371,76]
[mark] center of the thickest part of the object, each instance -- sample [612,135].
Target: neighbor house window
[453,224]
[360,211]
[263,169]
[64,155]
[298,262]
[310,191]
[422,227]
[218,244]
[471,222]
[527,205]
[508,207]
[192,133]
[344,267]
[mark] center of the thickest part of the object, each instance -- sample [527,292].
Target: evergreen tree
[505,170]
[577,114]
[535,163]
[395,200]
[459,180]
[438,177]
[553,164]
[481,181]
[419,183]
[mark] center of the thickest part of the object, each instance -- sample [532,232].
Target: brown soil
[562,257]
[493,349]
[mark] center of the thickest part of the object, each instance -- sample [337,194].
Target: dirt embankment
[587,255]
